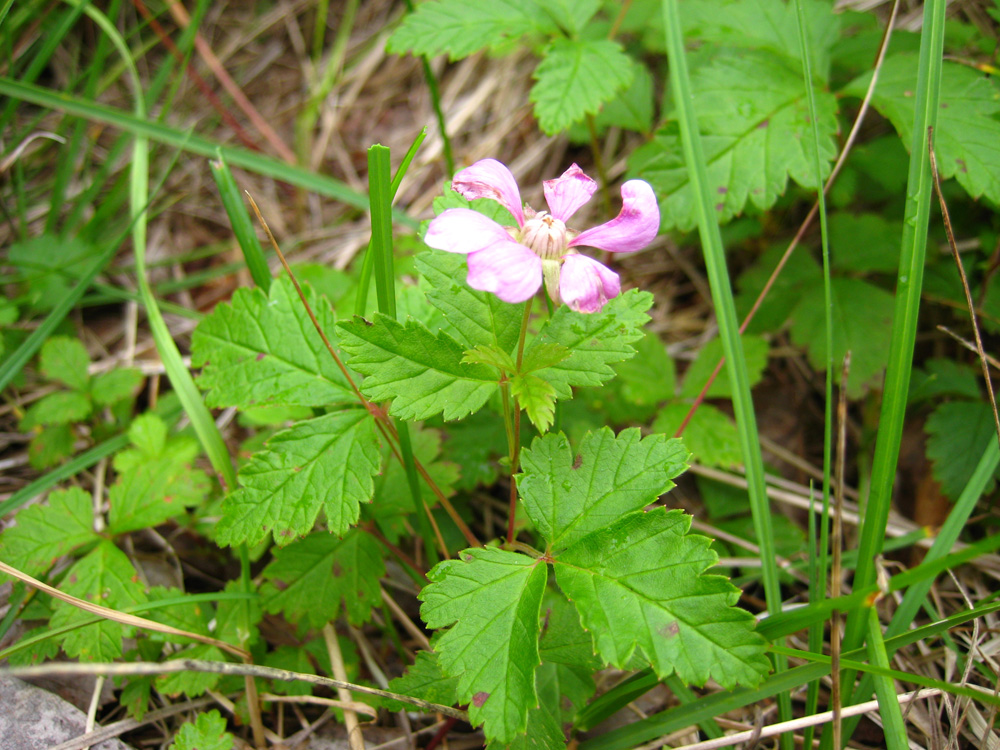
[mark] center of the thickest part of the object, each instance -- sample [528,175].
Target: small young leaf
[50,446]
[640,582]
[537,398]
[543,355]
[152,492]
[711,436]
[425,680]
[957,434]
[44,533]
[191,684]
[492,598]
[65,360]
[575,77]
[61,407]
[328,462]
[115,385]
[490,355]
[568,497]
[257,349]
[207,732]
[308,579]
[420,371]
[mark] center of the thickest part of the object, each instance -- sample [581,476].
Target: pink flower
[511,262]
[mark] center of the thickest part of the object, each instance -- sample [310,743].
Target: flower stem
[514,434]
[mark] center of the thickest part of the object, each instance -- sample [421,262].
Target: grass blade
[232,201]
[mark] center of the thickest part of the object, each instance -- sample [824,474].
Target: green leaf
[537,398]
[756,135]
[490,355]
[116,385]
[596,341]
[425,680]
[575,77]
[572,15]
[543,731]
[309,579]
[65,360]
[236,619]
[152,492]
[44,533]
[191,684]
[492,598]
[567,497]
[474,444]
[207,732]
[632,109]
[475,317]
[148,434]
[294,659]
[801,272]
[61,407]
[51,266]
[957,434]
[711,436]
[50,446]
[864,242]
[194,617]
[460,28]
[755,351]
[257,349]
[420,371]
[967,134]
[640,583]
[106,577]
[862,324]
[135,696]
[540,356]
[943,377]
[328,462]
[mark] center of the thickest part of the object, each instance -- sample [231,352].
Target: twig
[354,736]
[993,361]
[316,700]
[837,543]
[406,622]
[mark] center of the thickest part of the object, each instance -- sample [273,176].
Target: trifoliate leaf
[711,436]
[475,317]
[491,598]
[191,684]
[943,377]
[106,577]
[50,446]
[756,135]
[967,134]
[61,407]
[307,580]
[755,351]
[862,324]
[328,462]
[153,491]
[115,385]
[207,732]
[425,680]
[537,398]
[957,434]
[575,77]
[420,371]
[459,28]
[65,360]
[568,497]
[264,350]
[596,341]
[864,242]
[640,582]
[44,533]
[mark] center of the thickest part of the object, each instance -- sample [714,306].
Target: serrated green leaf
[207,732]
[193,617]
[542,355]
[474,444]
[135,696]
[711,436]
[424,679]
[489,355]
[567,497]
[51,266]
[309,579]
[148,434]
[862,324]
[65,360]
[420,371]
[801,272]
[957,434]
[257,350]
[572,15]
[294,659]
[967,133]
[543,731]
[755,351]
[564,641]
[575,77]
[115,385]
[460,28]
[328,462]
[538,399]
[596,341]
[61,407]
[640,583]
[473,317]
[564,689]
[44,533]
[491,598]
[864,242]
[50,446]
[152,492]
[105,576]
[756,135]
[191,684]
[632,109]
[943,377]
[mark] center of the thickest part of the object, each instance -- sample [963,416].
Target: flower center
[545,235]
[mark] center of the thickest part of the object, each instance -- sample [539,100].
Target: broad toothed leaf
[326,463]
[44,533]
[640,583]
[425,680]
[64,359]
[491,598]
[151,492]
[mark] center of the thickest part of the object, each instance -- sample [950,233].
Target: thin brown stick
[354,737]
[800,234]
[837,543]
[992,361]
[965,281]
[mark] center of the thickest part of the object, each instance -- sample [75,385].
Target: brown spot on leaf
[578,461]
[280,585]
[566,703]
[720,206]
[465,557]
[670,630]
[337,570]
[168,498]
[479,699]
[261,356]
[764,125]
[723,190]
[962,166]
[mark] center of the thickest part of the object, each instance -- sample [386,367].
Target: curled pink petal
[633,228]
[567,193]
[586,285]
[462,230]
[509,270]
[488,178]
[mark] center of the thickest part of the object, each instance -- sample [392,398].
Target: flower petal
[633,228]
[488,178]
[566,194]
[586,285]
[462,230]
[509,270]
